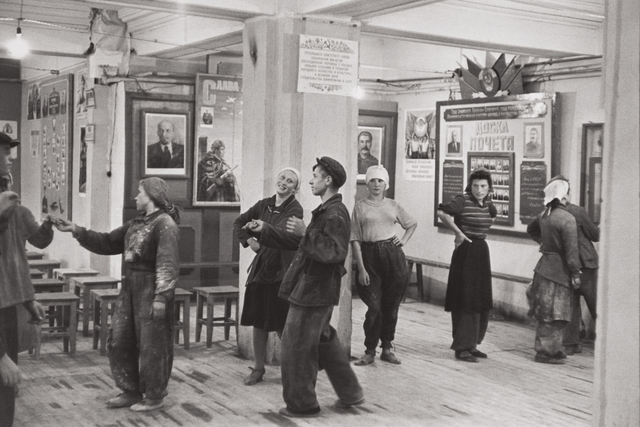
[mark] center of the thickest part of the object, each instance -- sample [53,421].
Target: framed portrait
[533,140]
[163,143]
[217,149]
[369,148]
[90,98]
[591,174]
[454,141]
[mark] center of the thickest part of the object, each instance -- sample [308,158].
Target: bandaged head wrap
[158,191]
[295,172]
[377,172]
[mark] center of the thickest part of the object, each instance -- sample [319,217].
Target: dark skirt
[469,284]
[263,308]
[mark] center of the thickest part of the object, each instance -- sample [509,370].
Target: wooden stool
[67,273]
[66,327]
[82,286]
[45,265]
[48,285]
[182,297]
[35,273]
[34,255]
[101,311]
[209,294]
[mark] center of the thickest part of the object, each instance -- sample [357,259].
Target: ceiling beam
[203,47]
[384,32]
[365,9]
[172,7]
[5,51]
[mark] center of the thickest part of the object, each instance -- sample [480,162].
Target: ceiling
[400,39]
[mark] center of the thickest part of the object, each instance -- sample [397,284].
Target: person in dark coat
[17,226]
[263,229]
[141,340]
[312,287]
[469,295]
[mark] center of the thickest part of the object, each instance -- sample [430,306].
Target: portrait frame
[149,122]
[90,133]
[591,169]
[528,153]
[450,130]
[377,138]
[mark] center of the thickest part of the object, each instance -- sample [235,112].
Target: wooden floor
[430,388]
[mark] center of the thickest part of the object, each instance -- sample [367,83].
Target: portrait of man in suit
[533,146]
[167,152]
[454,147]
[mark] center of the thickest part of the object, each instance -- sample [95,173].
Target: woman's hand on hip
[460,239]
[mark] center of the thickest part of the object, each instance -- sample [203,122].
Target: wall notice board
[510,136]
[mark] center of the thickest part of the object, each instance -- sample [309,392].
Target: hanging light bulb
[18,47]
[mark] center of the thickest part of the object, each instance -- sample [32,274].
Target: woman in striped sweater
[469,296]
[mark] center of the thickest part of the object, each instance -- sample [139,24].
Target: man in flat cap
[312,287]
[17,224]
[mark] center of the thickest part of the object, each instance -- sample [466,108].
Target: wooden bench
[47,265]
[101,299]
[82,286]
[65,328]
[182,297]
[208,295]
[67,274]
[48,285]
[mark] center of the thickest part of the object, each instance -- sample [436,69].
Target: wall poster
[57,148]
[511,137]
[419,145]
[217,140]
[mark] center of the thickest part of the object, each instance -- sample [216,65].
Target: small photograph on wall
[206,117]
[369,148]
[534,140]
[163,139]
[454,141]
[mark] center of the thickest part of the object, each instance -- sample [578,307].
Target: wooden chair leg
[419,282]
[227,317]
[64,324]
[209,320]
[86,309]
[97,323]
[104,327]
[176,320]
[72,330]
[199,317]
[186,320]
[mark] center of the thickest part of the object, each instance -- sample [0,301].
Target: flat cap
[335,170]
[6,139]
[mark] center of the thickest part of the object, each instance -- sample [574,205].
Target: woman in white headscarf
[556,274]
[382,266]
[263,229]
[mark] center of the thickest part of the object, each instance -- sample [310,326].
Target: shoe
[550,360]
[466,356]
[254,377]
[148,405]
[573,349]
[309,413]
[390,357]
[478,353]
[125,400]
[367,359]
[341,405]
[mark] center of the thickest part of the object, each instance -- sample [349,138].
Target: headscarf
[158,191]
[377,172]
[296,172]
[555,189]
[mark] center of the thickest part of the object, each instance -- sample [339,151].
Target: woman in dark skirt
[469,296]
[263,229]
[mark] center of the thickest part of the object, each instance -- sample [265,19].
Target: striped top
[473,219]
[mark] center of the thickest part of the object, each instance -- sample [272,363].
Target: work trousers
[549,337]
[387,268]
[589,290]
[140,348]
[307,340]
[469,329]
[9,335]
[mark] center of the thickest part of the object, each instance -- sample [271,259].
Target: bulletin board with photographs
[512,137]
[56,138]
[502,173]
[218,141]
